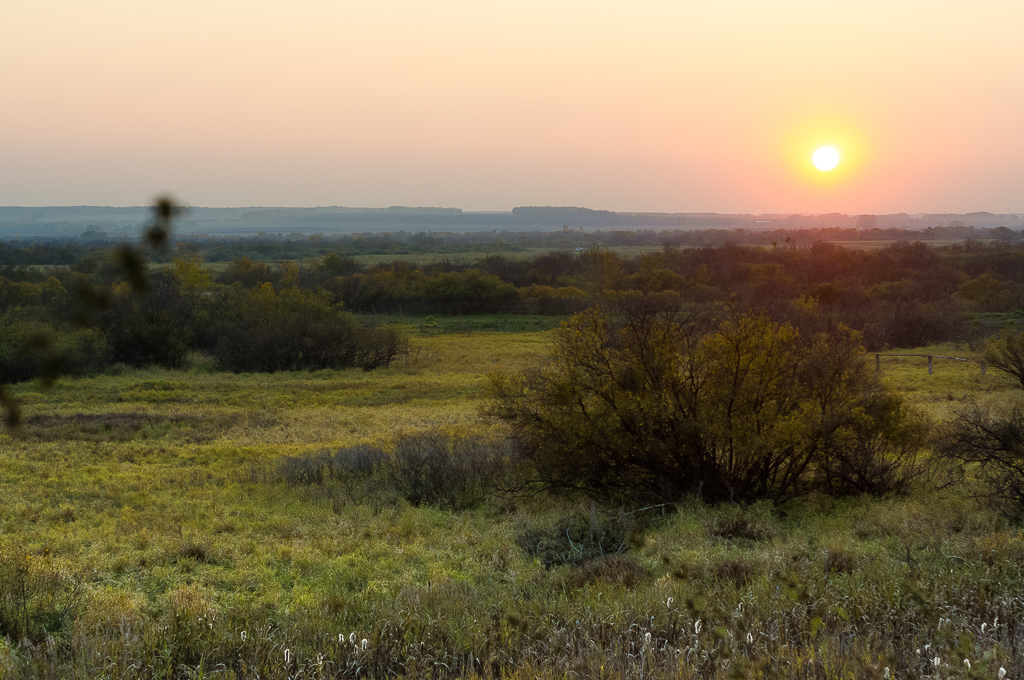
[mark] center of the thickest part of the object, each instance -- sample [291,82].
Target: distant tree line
[902,295]
[265,246]
[86,318]
[250,314]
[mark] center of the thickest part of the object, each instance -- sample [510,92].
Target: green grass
[493,323]
[148,526]
[951,385]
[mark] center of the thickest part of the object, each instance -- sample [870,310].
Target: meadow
[150,530]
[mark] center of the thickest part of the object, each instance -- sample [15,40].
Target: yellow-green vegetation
[951,385]
[652,406]
[148,531]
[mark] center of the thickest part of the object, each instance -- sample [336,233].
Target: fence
[878,360]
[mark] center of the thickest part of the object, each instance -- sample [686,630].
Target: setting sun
[826,158]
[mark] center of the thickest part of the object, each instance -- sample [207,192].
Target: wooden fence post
[929,364]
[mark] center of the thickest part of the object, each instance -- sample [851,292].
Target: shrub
[438,469]
[195,550]
[988,446]
[312,468]
[425,469]
[581,538]
[34,350]
[37,598]
[295,329]
[880,452]
[755,522]
[615,569]
[157,327]
[655,404]
[1006,354]
[740,572]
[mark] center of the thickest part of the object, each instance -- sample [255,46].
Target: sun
[826,158]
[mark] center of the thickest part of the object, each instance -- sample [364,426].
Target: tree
[264,329]
[1006,354]
[156,327]
[654,403]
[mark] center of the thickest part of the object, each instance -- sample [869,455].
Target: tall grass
[165,537]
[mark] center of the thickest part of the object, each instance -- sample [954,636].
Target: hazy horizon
[413,209]
[781,213]
[651,107]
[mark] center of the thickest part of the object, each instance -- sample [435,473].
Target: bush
[881,451]
[581,538]
[295,329]
[32,350]
[437,469]
[37,598]
[755,522]
[424,469]
[988,447]
[347,465]
[656,404]
[1006,354]
[156,327]
[621,570]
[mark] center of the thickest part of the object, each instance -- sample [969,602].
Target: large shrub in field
[263,329]
[653,404]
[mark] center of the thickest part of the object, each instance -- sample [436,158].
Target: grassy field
[148,532]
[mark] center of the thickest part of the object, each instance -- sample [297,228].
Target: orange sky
[662,106]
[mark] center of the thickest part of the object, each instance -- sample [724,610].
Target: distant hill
[117,222]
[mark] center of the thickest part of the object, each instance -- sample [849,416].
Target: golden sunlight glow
[855,143]
[465,104]
[826,158]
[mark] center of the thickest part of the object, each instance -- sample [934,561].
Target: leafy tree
[246,271]
[656,403]
[198,299]
[988,293]
[31,349]
[467,292]
[264,329]
[155,327]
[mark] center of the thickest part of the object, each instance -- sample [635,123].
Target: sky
[649,105]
